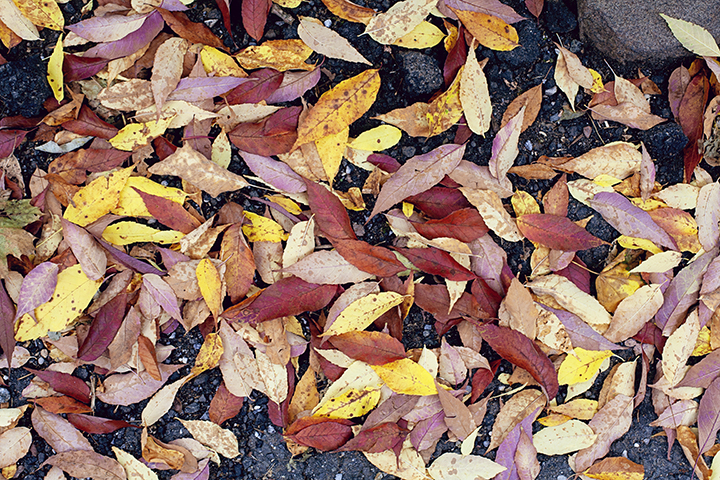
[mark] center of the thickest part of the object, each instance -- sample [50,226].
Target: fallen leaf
[610,423]
[88,464]
[386,28]
[213,436]
[490,31]
[406,377]
[134,468]
[581,365]
[493,213]
[14,445]
[327,42]
[254,17]
[556,232]
[611,468]
[568,437]
[693,37]
[455,466]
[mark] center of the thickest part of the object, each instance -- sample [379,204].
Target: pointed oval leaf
[556,232]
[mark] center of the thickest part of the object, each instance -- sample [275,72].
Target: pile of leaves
[100,258]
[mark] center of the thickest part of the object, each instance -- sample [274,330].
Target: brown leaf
[88,123]
[62,405]
[169,213]
[458,417]
[254,17]
[610,423]
[146,352]
[437,262]
[239,262]
[531,100]
[372,259]
[374,348]
[273,135]
[189,30]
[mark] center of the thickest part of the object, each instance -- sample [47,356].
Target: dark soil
[407,77]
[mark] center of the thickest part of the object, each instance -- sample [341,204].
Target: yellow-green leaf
[125,233]
[72,295]
[263,229]
[137,135]
[377,139]
[131,203]
[209,354]
[210,285]
[55,73]
[693,37]
[363,311]
[406,377]
[580,365]
[97,198]
[353,402]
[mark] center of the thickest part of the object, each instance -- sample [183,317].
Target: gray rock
[421,74]
[633,31]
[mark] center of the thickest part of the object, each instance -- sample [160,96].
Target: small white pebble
[40,361]
[636,445]
[257,407]
[271,429]
[528,145]
[561,477]
[646,441]
[327,23]
[486,443]
[551,91]
[339,475]
[624,454]
[257,435]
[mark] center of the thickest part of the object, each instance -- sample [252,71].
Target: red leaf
[439,202]
[435,300]
[330,214]
[652,335]
[577,273]
[385,436]
[9,140]
[18,121]
[374,348]
[273,135]
[224,7]
[64,383]
[289,296]
[72,166]
[329,369]
[325,435]
[169,213]
[488,299]
[87,123]
[7,326]
[556,232]
[95,425]
[437,262]
[278,413]
[103,329]
[519,350]
[456,58]
[224,405]
[62,404]
[384,162]
[535,7]
[263,82]
[239,261]
[254,16]
[80,68]
[163,147]
[372,259]
[465,224]
[690,118]
[482,379]
[189,30]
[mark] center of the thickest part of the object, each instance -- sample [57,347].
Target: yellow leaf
[523,203]
[406,377]
[14,20]
[635,243]
[125,233]
[553,420]
[351,403]
[339,107]
[407,209]
[488,30]
[210,285]
[263,229]
[281,55]
[597,85]
[221,150]
[97,198]
[55,73]
[398,21]
[330,149]
[286,203]
[72,295]
[620,468]
[702,345]
[362,312]
[377,139]
[209,354]
[568,437]
[288,3]
[131,203]
[134,468]
[474,94]
[453,466]
[615,283]
[580,365]
[137,135]
[605,180]
[425,35]
[43,13]
[446,110]
[219,64]
[581,408]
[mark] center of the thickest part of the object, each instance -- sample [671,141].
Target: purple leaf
[581,334]
[506,451]
[682,293]
[709,416]
[89,254]
[488,7]
[294,85]
[505,146]
[704,372]
[630,220]
[108,28]
[204,88]
[7,332]
[203,472]
[711,278]
[577,274]
[163,295]
[428,431]
[173,6]
[37,288]
[127,260]
[277,174]
[103,329]
[131,43]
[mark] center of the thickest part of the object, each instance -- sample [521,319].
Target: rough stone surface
[633,31]
[421,74]
[23,87]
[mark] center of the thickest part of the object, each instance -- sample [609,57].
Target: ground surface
[407,77]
